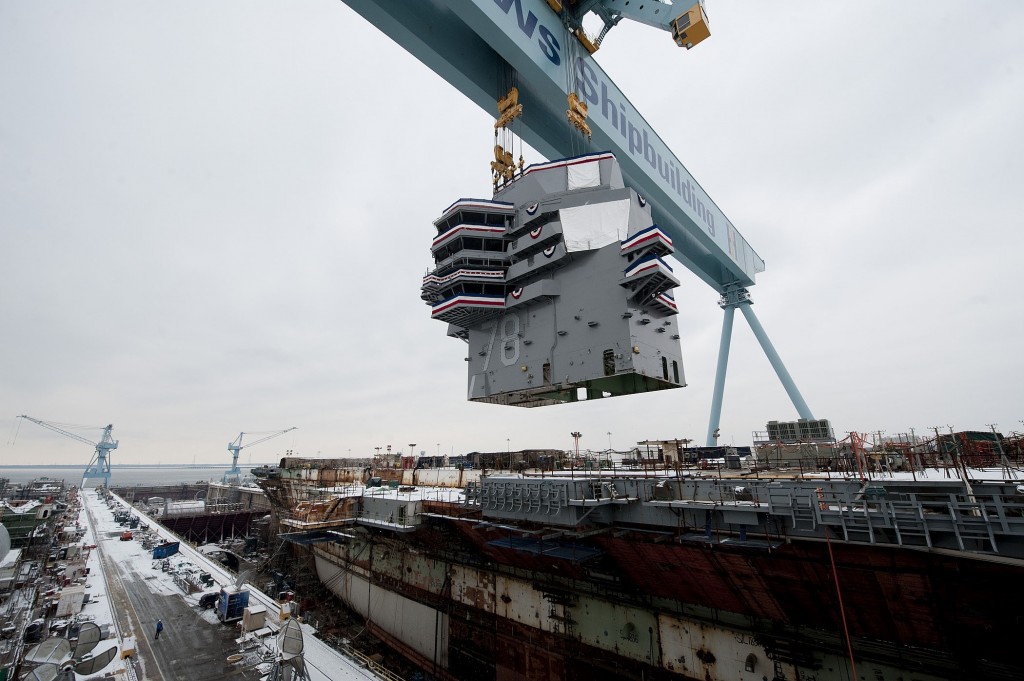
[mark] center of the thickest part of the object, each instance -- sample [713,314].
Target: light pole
[576,435]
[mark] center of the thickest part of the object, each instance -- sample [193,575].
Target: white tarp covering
[184,507]
[586,228]
[582,175]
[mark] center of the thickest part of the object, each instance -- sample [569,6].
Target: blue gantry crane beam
[235,446]
[473,44]
[469,42]
[99,465]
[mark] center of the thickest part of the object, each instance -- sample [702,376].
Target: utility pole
[909,452]
[962,468]
[938,450]
[576,435]
[1002,454]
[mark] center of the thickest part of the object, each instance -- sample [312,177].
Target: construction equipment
[65,658]
[234,474]
[483,46]
[99,465]
[289,665]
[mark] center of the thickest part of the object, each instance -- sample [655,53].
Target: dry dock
[128,592]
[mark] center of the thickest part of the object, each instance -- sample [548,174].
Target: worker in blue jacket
[159,628]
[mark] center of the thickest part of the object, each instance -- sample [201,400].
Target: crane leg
[723,365]
[776,361]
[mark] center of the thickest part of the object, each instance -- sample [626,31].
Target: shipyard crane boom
[99,465]
[235,446]
[476,45]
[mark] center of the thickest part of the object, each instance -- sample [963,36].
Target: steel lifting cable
[499,77]
[503,92]
[842,610]
[567,39]
[504,76]
[506,86]
[515,84]
[579,139]
[510,139]
[16,430]
[516,135]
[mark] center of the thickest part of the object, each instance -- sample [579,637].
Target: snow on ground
[99,608]
[1000,474]
[323,663]
[418,493]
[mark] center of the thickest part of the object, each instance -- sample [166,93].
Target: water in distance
[123,475]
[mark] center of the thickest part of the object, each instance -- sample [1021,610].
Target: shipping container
[168,549]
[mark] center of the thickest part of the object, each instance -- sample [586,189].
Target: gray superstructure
[560,287]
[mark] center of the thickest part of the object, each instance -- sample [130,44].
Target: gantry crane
[480,46]
[99,465]
[235,446]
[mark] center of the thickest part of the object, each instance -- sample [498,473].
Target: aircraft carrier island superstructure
[560,287]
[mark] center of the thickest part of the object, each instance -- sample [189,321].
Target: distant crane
[99,465]
[233,474]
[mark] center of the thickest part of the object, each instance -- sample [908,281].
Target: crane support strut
[738,297]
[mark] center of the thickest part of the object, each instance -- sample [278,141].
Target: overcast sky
[215,216]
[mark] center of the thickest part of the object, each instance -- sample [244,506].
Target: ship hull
[653,611]
[679,577]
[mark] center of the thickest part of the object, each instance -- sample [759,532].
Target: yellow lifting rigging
[688,29]
[504,166]
[508,109]
[577,114]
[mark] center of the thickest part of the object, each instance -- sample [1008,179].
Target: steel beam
[723,364]
[776,361]
[473,44]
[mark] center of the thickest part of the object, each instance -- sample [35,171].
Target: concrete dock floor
[193,646]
